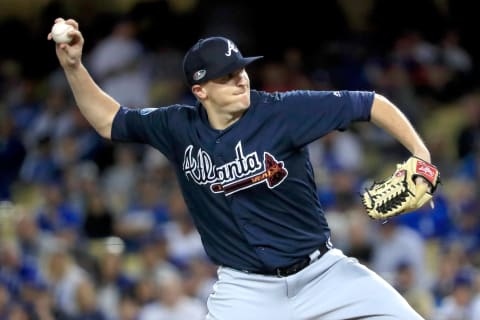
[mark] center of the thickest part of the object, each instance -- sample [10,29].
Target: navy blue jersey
[250,188]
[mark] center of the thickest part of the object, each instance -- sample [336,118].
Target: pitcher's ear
[199,91]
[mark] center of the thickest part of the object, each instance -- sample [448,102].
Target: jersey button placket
[217,150]
[217,153]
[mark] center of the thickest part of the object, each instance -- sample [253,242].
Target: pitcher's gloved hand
[409,188]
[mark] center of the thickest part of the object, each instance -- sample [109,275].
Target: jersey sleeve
[147,125]
[313,114]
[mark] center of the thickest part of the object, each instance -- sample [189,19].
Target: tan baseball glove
[402,192]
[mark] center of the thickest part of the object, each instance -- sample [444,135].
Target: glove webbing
[393,201]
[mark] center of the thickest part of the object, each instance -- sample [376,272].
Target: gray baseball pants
[335,287]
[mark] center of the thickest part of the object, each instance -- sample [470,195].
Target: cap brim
[249,60]
[239,64]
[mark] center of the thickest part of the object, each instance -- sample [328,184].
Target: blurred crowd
[90,229]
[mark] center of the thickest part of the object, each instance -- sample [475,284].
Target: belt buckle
[314,256]
[278,271]
[288,271]
[285,272]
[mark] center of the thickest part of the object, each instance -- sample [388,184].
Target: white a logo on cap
[231,47]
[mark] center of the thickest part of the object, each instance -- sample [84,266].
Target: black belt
[303,263]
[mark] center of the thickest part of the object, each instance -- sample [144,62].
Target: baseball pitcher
[241,159]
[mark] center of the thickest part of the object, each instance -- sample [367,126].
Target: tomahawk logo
[242,173]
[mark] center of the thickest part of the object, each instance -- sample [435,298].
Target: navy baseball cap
[212,58]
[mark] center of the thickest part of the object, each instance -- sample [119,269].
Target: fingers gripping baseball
[69,45]
[409,188]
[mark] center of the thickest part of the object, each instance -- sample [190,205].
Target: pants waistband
[293,268]
[303,263]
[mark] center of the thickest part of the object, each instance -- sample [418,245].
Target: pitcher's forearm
[96,106]
[390,118]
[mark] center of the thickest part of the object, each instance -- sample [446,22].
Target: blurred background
[95,230]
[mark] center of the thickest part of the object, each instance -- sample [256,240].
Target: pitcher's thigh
[353,292]
[247,298]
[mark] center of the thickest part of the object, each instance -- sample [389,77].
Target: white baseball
[60,32]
